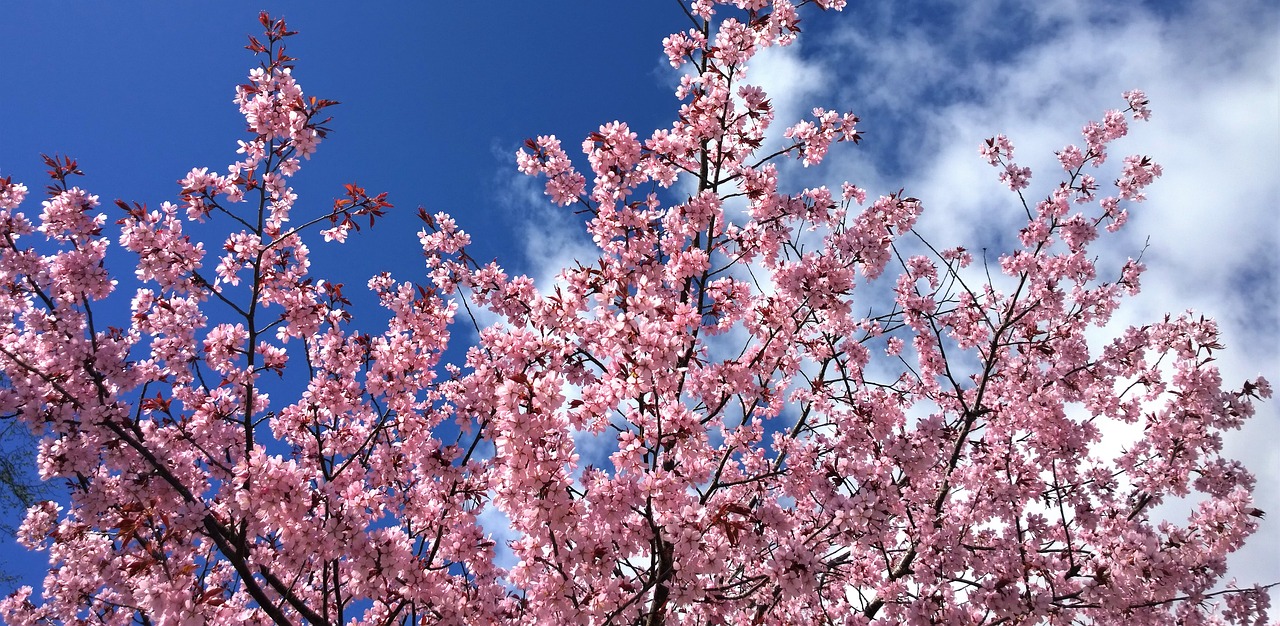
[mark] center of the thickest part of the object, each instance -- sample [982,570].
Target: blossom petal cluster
[757,405]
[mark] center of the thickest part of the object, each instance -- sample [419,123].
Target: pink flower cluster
[696,427]
[564,184]
[814,140]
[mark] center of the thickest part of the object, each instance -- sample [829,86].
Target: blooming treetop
[761,466]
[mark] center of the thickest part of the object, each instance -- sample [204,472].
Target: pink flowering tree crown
[807,416]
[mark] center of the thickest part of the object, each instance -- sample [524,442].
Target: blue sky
[436,97]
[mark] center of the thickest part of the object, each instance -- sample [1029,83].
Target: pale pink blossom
[757,402]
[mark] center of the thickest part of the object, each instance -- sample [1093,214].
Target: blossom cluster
[695,427]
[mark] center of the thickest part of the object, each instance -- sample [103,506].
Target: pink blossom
[11,194]
[1138,104]
[996,149]
[854,193]
[680,46]
[716,418]
[1071,158]
[1017,178]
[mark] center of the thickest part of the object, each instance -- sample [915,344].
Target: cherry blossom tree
[811,415]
